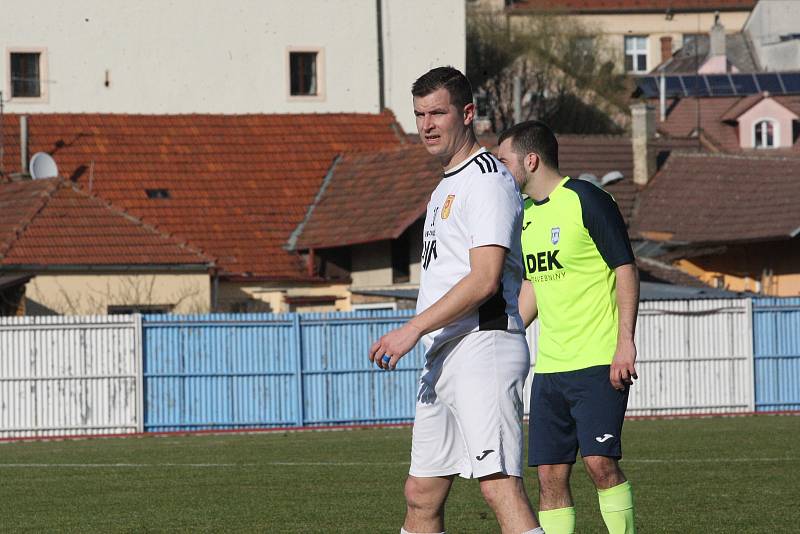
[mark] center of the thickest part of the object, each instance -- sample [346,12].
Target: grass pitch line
[260,464]
[345,464]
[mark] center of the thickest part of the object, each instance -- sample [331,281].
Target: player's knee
[553,476]
[604,471]
[419,496]
[500,488]
[492,494]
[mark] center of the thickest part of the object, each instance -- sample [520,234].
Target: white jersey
[476,203]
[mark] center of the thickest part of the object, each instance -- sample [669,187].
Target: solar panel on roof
[719,84]
[769,82]
[695,85]
[648,86]
[791,81]
[744,84]
[674,87]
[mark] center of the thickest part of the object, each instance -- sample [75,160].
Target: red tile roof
[371,197]
[54,223]
[238,184]
[633,6]
[721,198]
[682,118]
[374,197]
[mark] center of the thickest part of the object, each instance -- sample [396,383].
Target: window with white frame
[26,73]
[765,134]
[636,53]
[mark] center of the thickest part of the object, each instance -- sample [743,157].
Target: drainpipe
[381,95]
[23,144]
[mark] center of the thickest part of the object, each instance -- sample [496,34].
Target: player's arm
[602,218]
[483,280]
[527,303]
[623,367]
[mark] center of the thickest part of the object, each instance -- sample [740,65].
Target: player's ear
[469,114]
[532,162]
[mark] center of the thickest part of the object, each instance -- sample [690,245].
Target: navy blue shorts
[575,409]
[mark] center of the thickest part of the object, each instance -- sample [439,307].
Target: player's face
[441,125]
[513,161]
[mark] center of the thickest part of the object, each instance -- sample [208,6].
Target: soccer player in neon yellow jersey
[583,284]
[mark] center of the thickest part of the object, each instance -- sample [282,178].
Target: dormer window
[765,134]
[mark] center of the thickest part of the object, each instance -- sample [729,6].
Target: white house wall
[231,56]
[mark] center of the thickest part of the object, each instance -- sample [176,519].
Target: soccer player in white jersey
[469,407]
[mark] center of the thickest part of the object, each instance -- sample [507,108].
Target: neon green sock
[558,521]
[616,507]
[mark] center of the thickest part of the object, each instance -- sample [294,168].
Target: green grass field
[690,476]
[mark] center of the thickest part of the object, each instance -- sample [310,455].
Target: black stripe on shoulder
[490,159]
[478,161]
[465,165]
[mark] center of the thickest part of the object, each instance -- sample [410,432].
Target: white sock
[538,530]
[404,531]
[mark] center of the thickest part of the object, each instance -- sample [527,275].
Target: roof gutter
[191,267]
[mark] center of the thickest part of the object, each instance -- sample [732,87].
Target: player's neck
[467,149]
[542,184]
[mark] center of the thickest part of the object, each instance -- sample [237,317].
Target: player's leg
[437,453]
[506,496]
[556,509]
[425,499]
[484,390]
[600,413]
[552,448]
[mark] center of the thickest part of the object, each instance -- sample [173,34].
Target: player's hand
[395,345]
[623,367]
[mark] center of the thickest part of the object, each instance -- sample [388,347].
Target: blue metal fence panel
[776,341]
[219,371]
[263,370]
[340,384]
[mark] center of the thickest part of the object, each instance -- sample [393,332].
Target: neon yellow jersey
[571,243]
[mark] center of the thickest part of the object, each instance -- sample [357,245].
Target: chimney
[717,38]
[23,144]
[643,131]
[666,48]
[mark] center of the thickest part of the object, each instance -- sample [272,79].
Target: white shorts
[469,407]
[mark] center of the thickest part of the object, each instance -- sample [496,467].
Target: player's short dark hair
[448,77]
[536,137]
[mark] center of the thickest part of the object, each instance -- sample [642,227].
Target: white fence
[694,356]
[83,375]
[70,376]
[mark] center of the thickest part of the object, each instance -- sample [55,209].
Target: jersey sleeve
[493,211]
[603,220]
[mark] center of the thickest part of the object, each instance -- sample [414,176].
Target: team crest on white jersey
[555,234]
[448,203]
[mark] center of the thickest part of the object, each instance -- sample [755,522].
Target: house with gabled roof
[376,248]
[640,34]
[730,220]
[78,254]
[234,187]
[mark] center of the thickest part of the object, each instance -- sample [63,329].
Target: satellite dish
[611,177]
[43,166]
[591,178]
